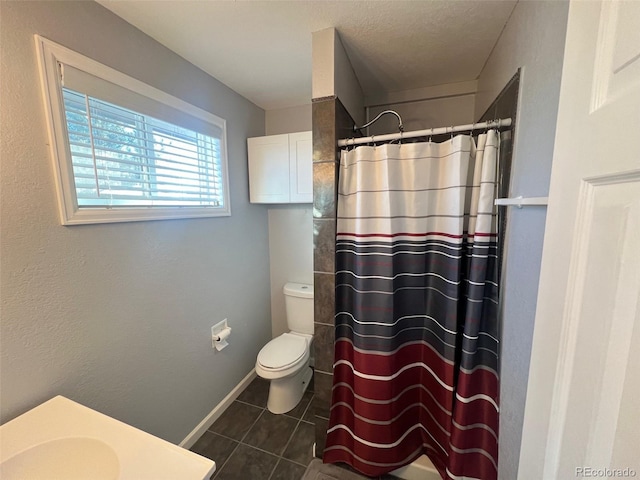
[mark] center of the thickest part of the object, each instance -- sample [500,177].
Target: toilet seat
[282,352]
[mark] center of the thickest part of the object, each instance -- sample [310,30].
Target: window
[122,158]
[124,151]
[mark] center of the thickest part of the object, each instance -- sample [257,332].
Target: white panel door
[582,416]
[301,167]
[269,169]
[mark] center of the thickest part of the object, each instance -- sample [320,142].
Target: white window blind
[125,151]
[124,158]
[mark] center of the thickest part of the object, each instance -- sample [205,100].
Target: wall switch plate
[216,329]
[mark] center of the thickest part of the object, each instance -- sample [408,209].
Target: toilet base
[286,393]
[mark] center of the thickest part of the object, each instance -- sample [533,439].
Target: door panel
[583,380]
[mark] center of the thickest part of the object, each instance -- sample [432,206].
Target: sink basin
[73,458]
[63,440]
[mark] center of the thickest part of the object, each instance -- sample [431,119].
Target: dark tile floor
[249,443]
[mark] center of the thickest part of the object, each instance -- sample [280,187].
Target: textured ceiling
[262,49]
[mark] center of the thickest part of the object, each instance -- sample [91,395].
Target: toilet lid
[282,351]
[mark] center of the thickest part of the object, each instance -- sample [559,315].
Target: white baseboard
[218,410]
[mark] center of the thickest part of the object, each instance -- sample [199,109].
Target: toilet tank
[298,299]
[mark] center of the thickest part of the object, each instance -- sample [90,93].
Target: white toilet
[285,359]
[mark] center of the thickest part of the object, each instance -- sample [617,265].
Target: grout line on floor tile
[218,470]
[274,468]
[251,446]
[297,463]
[224,436]
[279,457]
[307,409]
[252,425]
[239,401]
[250,404]
[262,450]
[303,413]
[291,437]
[294,432]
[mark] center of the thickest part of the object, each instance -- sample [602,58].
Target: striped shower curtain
[416,352]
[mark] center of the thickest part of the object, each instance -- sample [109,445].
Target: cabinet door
[301,167]
[269,169]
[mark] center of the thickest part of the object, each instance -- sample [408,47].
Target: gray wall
[118,316]
[288,120]
[423,114]
[534,40]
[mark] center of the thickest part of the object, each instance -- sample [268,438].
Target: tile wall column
[330,123]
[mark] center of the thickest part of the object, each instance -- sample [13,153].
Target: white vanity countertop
[60,435]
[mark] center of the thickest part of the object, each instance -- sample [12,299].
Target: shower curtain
[416,352]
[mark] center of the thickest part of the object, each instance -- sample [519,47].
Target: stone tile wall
[504,106]
[330,123]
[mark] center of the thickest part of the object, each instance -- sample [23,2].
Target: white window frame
[50,55]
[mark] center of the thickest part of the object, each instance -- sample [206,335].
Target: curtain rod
[499,123]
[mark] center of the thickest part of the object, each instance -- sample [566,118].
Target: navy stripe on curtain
[416,352]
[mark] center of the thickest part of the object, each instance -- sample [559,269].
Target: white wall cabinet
[281,168]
